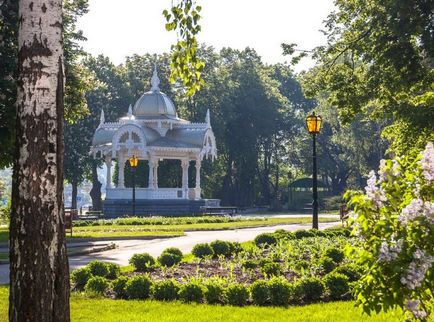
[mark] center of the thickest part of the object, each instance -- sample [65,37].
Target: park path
[126,248]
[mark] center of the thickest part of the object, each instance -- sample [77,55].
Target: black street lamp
[313,124]
[133,164]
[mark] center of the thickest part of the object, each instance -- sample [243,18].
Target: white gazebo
[152,131]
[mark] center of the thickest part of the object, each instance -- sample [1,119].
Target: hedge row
[275,291]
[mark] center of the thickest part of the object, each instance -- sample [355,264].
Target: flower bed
[276,269]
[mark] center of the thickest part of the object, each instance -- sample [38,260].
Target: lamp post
[133,164]
[313,124]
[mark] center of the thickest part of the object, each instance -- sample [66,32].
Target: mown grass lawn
[164,230]
[84,309]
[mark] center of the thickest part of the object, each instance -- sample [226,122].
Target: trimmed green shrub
[168,259]
[202,250]
[118,286]
[249,264]
[327,264]
[138,287]
[309,289]
[96,284]
[280,290]
[214,293]
[237,294]
[335,254]
[271,269]
[80,277]
[282,234]
[174,251]
[337,285]
[302,233]
[235,248]
[220,247]
[113,270]
[142,262]
[260,292]
[166,290]
[191,291]
[264,240]
[98,268]
[352,271]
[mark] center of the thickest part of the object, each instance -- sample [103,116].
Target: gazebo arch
[153,131]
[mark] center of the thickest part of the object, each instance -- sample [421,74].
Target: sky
[122,28]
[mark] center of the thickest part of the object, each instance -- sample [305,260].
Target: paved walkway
[127,248]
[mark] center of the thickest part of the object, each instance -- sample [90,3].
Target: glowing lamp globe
[313,123]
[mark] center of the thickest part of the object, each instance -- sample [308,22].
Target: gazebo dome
[154,103]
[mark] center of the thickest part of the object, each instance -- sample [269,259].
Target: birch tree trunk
[39,278]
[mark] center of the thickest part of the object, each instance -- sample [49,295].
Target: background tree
[39,277]
[379,62]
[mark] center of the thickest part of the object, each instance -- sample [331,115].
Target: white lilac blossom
[374,193]
[415,273]
[427,162]
[415,209]
[413,307]
[428,211]
[382,172]
[396,168]
[411,211]
[388,253]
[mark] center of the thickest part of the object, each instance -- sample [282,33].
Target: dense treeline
[257,114]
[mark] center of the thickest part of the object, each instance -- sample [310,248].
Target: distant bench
[70,215]
[219,211]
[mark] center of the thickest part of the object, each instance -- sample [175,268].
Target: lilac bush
[394,225]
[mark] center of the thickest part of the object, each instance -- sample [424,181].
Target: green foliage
[327,264]
[337,285]
[265,239]
[237,294]
[119,285]
[166,290]
[97,285]
[260,292]
[220,247]
[304,233]
[169,259]
[142,262]
[98,268]
[359,46]
[393,223]
[352,271]
[280,291]
[80,277]
[215,292]
[184,62]
[113,270]
[202,250]
[249,264]
[271,269]
[335,254]
[138,287]
[309,289]
[192,291]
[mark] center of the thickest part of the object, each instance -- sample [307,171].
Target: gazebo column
[108,163]
[151,173]
[156,174]
[121,165]
[184,164]
[198,190]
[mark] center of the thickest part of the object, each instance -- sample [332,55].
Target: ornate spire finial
[208,119]
[155,81]
[130,111]
[102,118]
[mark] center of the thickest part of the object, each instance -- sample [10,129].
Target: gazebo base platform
[159,207]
